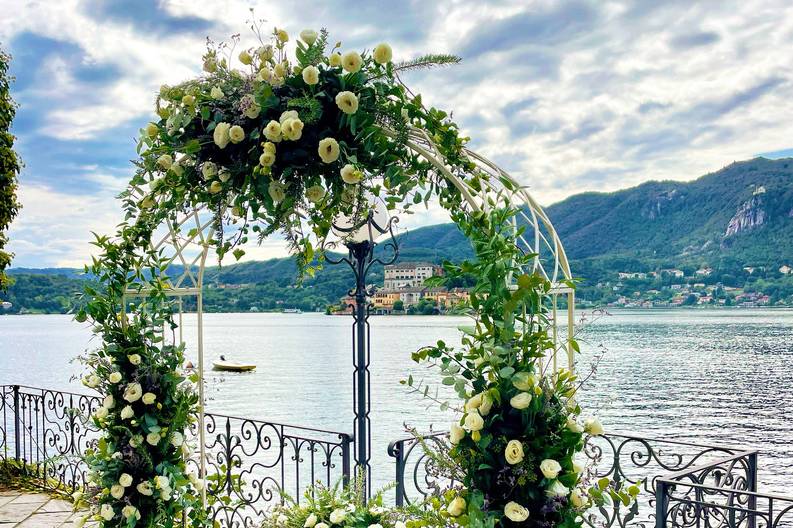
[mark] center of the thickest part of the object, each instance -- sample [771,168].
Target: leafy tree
[9,166]
[399,305]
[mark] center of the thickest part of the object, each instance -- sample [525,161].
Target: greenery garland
[9,166]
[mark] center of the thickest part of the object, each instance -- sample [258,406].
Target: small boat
[293,310]
[231,366]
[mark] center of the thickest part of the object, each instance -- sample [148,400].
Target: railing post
[346,441]
[398,452]
[17,421]
[661,502]
[752,484]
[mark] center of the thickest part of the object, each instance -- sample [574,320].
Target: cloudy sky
[569,96]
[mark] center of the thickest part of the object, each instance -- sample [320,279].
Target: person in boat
[222,358]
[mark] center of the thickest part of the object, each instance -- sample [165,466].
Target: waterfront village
[677,287]
[403,291]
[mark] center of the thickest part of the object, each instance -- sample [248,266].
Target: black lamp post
[360,239]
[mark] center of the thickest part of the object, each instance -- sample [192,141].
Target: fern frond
[425,62]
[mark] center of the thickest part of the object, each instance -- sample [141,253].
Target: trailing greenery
[518,431]
[9,166]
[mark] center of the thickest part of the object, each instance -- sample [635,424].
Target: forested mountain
[736,218]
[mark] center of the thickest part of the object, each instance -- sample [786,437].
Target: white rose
[215,187]
[152,130]
[376,525]
[521,400]
[130,511]
[277,191]
[456,507]
[593,426]
[550,468]
[292,129]
[309,36]
[282,519]
[116,491]
[149,398]
[573,426]
[515,512]
[267,159]
[134,359]
[108,402]
[473,402]
[578,467]
[114,377]
[106,511]
[177,439]
[210,65]
[188,100]
[321,525]
[352,61]
[523,381]
[162,482]
[473,421]
[224,175]
[136,440]
[165,494]
[265,75]
[456,434]
[144,488]
[311,75]
[221,134]
[311,521]
[208,170]
[216,93]
[514,452]
[557,489]
[236,134]
[337,516]
[315,193]
[281,35]
[153,438]
[92,381]
[245,58]
[486,405]
[125,480]
[127,413]
[133,392]
[265,52]
[382,53]
[335,59]
[101,413]
[347,102]
[328,150]
[350,175]
[578,498]
[288,114]
[273,131]
[400,524]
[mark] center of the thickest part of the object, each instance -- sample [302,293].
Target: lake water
[716,376]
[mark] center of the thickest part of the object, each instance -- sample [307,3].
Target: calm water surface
[718,376]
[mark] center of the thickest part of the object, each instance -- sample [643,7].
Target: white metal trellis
[187,253]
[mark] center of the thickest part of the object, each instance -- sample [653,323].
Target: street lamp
[360,238]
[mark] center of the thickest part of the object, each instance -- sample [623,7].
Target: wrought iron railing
[249,462]
[631,460]
[720,494]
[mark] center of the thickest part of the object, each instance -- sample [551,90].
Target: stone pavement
[25,509]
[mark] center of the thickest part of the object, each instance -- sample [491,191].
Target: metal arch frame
[545,242]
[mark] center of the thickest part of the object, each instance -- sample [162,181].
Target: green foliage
[344,507]
[9,166]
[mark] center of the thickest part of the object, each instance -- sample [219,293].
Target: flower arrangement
[288,143]
[514,445]
[344,507]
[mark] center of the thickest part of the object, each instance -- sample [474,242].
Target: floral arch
[291,145]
